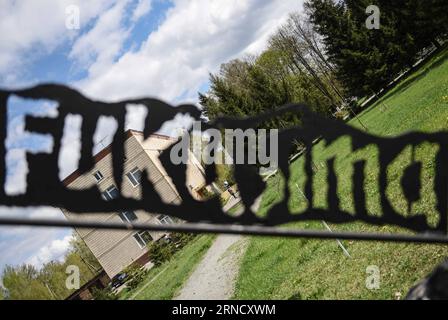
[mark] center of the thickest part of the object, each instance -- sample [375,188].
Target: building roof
[107,150]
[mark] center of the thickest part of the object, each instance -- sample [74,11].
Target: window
[98,176]
[134,176]
[165,220]
[128,216]
[110,193]
[142,238]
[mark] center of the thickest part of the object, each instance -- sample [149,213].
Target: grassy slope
[176,272]
[316,269]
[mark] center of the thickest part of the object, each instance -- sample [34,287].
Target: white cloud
[70,145]
[18,244]
[28,212]
[135,117]
[55,251]
[30,29]
[17,169]
[193,40]
[17,139]
[143,7]
[97,49]
[103,42]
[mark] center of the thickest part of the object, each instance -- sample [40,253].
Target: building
[99,282]
[115,250]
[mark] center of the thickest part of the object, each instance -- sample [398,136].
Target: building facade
[115,250]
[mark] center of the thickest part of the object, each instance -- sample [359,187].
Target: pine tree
[368,60]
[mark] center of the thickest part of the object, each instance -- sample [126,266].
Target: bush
[180,239]
[341,114]
[163,249]
[103,294]
[136,274]
[159,252]
[224,173]
[206,194]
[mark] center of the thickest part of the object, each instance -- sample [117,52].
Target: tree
[253,86]
[368,60]
[344,40]
[49,282]
[80,248]
[3,293]
[23,283]
[423,21]
[303,51]
[250,87]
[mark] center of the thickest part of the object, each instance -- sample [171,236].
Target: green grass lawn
[165,281]
[278,268]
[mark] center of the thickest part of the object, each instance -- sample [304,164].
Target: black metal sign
[44,188]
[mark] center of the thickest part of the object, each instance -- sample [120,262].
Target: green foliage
[164,249]
[136,274]
[180,239]
[160,251]
[245,88]
[368,60]
[23,282]
[27,282]
[104,294]
[224,173]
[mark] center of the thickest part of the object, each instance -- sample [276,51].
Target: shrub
[180,239]
[160,251]
[163,249]
[341,114]
[103,294]
[136,274]
[224,173]
[206,194]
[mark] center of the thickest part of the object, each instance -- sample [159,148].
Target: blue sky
[122,49]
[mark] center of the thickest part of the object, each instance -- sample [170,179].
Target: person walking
[229,189]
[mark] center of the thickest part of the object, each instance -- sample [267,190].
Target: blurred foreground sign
[44,187]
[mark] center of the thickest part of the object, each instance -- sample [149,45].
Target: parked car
[119,280]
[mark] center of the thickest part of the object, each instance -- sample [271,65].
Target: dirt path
[215,276]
